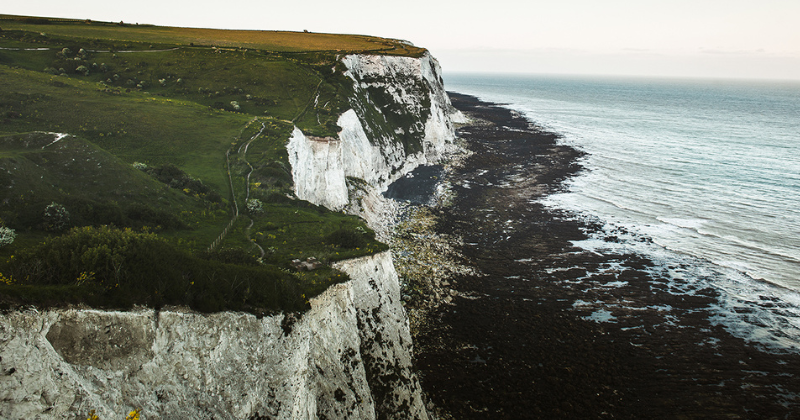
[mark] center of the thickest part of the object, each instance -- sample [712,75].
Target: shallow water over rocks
[551,330]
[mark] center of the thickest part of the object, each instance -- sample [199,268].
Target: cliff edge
[347,357]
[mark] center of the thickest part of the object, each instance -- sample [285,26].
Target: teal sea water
[708,171]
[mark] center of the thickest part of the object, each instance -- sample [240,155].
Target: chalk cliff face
[348,357]
[401,118]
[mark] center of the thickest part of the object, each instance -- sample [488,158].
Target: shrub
[133,415]
[167,172]
[106,213]
[56,217]
[7,236]
[213,197]
[90,212]
[35,20]
[149,216]
[111,267]
[196,185]
[255,206]
[176,178]
[344,238]
[230,256]
[100,256]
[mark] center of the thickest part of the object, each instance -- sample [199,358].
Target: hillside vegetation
[147,165]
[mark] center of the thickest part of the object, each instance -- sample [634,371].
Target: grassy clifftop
[276,41]
[174,137]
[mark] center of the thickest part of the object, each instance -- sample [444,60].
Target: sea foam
[702,178]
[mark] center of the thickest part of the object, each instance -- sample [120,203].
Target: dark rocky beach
[515,342]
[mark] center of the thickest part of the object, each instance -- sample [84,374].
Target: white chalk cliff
[401,119]
[349,357]
[183,365]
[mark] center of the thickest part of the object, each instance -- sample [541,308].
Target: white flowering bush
[140,166]
[235,105]
[255,206]
[7,236]
[56,217]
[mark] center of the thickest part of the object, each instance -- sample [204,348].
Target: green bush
[7,236]
[167,172]
[344,238]
[56,217]
[117,268]
[96,213]
[148,216]
[102,256]
[230,256]
[178,179]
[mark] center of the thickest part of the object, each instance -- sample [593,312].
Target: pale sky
[684,38]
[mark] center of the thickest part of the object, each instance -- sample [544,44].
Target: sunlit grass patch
[283,41]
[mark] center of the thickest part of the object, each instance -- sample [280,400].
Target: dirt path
[242,151]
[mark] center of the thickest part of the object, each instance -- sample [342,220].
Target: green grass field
[153,118]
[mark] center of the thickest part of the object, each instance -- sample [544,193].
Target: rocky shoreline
[427,261]
[529,326]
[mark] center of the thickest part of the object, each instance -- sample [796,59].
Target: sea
[700,176]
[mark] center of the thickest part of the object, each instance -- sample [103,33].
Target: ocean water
[707,170]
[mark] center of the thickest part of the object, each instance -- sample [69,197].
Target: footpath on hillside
[547,330]
[241,154]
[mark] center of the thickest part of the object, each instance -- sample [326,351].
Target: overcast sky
[695,38]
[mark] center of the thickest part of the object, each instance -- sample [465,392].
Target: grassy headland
[162,36]
[127,150]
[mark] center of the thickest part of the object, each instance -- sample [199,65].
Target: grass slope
[163,139]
